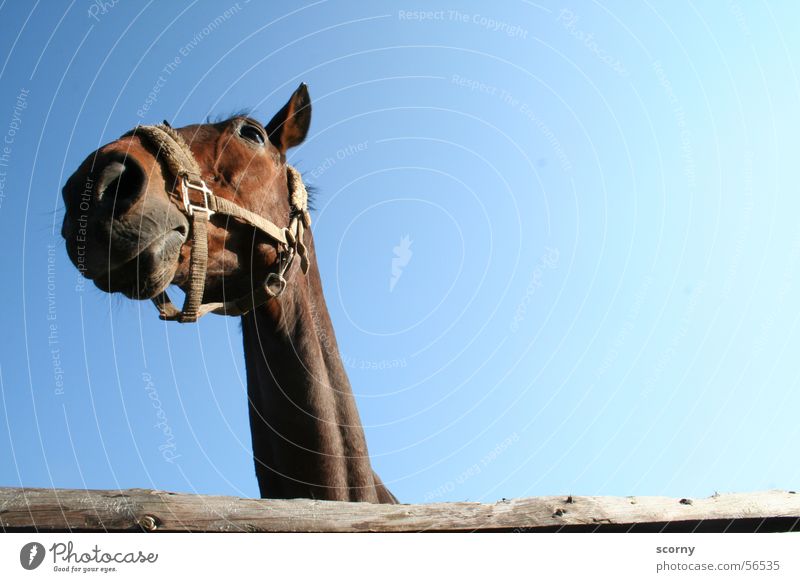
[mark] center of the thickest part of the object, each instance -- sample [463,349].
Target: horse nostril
[120,183]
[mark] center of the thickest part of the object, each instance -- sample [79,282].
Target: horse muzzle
[117,235]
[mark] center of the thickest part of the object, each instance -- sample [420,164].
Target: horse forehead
[217,142]
[202,134]
[210,143]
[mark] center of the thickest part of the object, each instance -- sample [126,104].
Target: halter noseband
[199,203]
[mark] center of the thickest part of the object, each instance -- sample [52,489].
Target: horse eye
[251,133]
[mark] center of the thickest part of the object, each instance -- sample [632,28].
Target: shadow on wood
[64,510]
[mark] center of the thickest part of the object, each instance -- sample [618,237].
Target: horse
[215,209]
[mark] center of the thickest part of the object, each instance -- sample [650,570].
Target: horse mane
[223,117]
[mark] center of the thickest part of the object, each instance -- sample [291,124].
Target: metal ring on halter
[276,284]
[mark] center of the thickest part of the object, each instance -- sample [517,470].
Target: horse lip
[179,231]
[183,230]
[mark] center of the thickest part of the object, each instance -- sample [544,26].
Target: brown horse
[126,229]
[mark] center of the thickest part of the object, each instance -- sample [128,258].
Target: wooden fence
[62,510]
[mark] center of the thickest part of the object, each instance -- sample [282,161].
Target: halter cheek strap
[199,203]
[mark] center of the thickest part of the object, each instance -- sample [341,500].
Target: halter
[199,203]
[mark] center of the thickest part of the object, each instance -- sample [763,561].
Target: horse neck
[307,436]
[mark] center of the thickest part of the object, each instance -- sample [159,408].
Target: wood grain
[139,509]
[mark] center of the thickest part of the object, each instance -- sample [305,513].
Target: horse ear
[290,125]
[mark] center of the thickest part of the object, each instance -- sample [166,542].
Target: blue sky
[596,204]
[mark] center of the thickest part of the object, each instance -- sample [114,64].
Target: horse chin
[148,273]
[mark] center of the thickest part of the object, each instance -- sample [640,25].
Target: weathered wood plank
[139,509]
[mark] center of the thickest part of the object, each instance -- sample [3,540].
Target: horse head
[132,207]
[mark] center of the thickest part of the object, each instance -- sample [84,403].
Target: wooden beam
[62,510]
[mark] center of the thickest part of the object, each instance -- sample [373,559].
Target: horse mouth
[149,271]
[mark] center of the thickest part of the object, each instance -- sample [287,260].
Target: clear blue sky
[600,295]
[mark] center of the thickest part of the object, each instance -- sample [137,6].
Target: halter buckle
[275,280]
[200,186]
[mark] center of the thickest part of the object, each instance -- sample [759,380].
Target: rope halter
[199,203]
